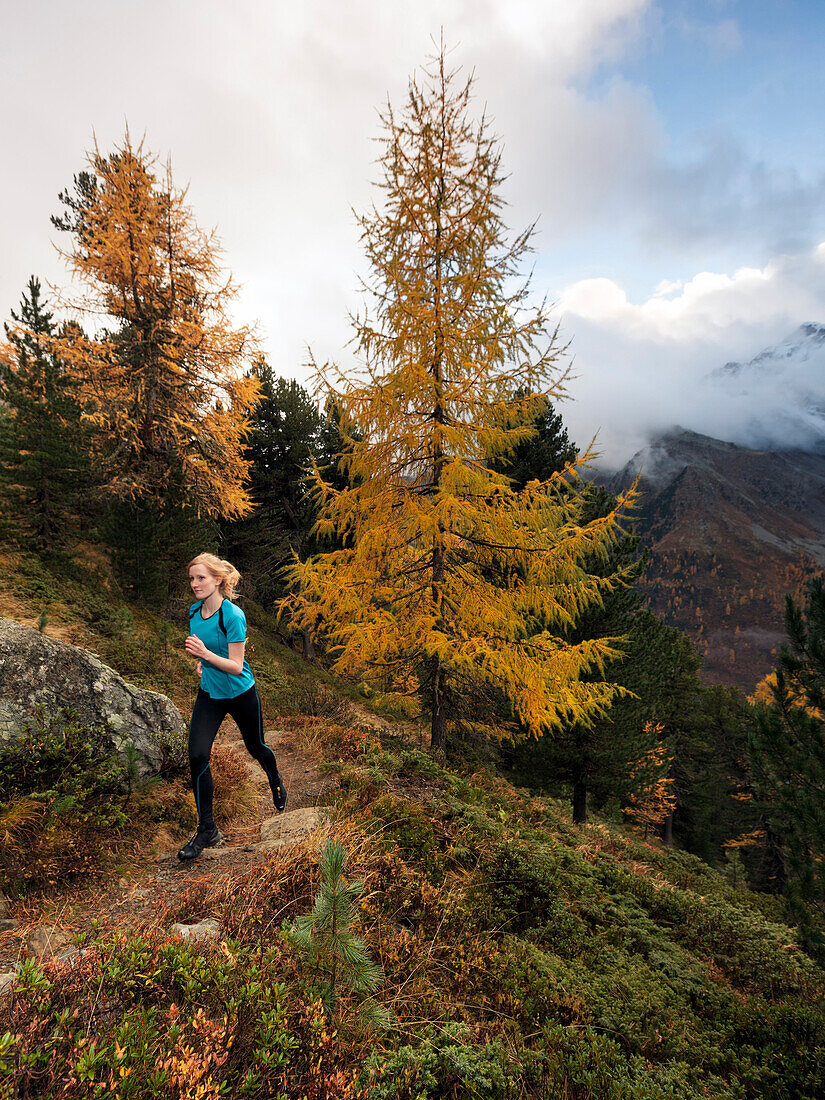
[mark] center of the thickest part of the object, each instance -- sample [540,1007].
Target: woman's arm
[233,664]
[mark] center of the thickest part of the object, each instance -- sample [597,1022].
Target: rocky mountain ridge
[730,531]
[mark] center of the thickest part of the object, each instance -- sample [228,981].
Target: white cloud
[570,37]
[641,366]
[269,108]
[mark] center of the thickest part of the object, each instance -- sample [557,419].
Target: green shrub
[140,1018]
[57,758]
[66,789]
[441,1066]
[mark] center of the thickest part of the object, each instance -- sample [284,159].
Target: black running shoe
[206,837]
[279,793]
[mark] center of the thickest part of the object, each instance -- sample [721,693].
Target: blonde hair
[224,573]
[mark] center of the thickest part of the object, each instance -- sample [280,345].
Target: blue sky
[732,85]
[670,150]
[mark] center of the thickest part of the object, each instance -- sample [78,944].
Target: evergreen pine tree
[44,471]
[715,801]
[327,938]
[284,433]
[597,759]
[787,748]
[547,452]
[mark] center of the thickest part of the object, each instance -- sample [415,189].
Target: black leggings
[207,716]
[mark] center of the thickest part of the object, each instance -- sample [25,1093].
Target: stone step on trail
[276,832]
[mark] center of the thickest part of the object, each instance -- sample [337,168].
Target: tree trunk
[438,740]
[309,648]
[668,837]
[579,801]
[777,871]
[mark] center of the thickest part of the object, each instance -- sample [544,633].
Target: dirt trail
[145,892]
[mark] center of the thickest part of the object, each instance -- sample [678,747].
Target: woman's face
[201,581]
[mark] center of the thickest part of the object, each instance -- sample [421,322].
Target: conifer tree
[653,798]
[787,748]
[548,451]
[284,433]
[411,598]
[327,937]
[43,468]
[162,376]
[714,795]
[597,762]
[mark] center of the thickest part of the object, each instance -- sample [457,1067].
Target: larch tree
[654,799]
[164,375]
[457,365]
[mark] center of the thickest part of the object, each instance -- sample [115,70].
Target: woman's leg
[246,710]
[207,716]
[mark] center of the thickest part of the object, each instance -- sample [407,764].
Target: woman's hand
[195,647]
[199,669]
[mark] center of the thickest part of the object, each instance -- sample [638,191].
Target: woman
[217,637]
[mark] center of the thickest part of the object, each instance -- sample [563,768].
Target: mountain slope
[731,530]
[522,955]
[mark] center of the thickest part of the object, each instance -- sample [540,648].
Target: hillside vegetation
[522,956]
[421,526]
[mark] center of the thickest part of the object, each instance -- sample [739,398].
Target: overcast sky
[671,151]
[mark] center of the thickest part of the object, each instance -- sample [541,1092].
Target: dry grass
[236,794]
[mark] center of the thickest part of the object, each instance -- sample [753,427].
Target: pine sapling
[327,938]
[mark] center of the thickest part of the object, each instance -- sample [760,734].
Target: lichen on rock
[36,670]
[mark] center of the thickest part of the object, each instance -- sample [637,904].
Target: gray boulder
[35,669]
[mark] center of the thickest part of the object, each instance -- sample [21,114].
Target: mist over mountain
[732,526]
[776,400]
[730,532]
[633,382]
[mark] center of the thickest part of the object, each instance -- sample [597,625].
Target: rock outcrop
[35,669]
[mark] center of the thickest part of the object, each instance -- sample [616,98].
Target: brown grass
[236,795]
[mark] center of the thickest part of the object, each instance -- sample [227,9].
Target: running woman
[217,637]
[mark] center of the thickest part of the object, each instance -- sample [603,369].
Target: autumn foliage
[161,374]
[655,796]
[445,576]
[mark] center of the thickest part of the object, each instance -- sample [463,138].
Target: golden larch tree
[445,577]
[654,799]
[163,374]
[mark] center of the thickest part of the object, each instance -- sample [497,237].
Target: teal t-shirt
[218,684]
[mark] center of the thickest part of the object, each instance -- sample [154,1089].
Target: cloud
[724,194]
[270,109]
[642,367]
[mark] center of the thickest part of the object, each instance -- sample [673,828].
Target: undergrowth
[522,956]
[72,809]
